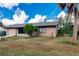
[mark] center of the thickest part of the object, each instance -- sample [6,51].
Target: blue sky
[31,9]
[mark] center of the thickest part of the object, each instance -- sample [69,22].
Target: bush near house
[2,33]
[65,26]
[29,29]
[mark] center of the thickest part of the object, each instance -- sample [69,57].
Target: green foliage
[68,29]
[2,33]
[61,32]
[68,42]
[65,26]
[1,24]
[29,29]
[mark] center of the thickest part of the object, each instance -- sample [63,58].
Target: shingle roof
[37,24]
[46,24]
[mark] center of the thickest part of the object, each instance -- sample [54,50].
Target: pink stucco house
[44,29]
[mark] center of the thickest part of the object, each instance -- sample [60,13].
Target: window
[1,29]
[20,30]
[42,29]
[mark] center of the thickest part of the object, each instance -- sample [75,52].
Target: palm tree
[71,8]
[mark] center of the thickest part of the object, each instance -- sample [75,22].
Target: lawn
[38,46]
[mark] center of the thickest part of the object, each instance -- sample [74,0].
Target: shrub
[68,29]
[65,26]
[2,33]
[29,29]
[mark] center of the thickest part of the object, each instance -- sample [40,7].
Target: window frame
[42,30]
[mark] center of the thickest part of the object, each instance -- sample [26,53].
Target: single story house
[44,29]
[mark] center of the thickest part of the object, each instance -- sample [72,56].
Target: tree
[2,32]
[65,26]
[71,8]
[60,25]
[68,28]
[29,29]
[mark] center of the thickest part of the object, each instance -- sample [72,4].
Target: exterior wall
[22,34]
[11,32]
[49,31]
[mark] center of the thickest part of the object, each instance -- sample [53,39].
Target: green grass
[67,40]
[38,46]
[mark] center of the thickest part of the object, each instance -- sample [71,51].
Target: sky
[13,13]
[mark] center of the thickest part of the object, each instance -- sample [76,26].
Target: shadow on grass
[68,42]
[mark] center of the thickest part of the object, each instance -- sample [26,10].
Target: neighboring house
[44,29]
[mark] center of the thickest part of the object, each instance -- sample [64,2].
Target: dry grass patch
[38,46]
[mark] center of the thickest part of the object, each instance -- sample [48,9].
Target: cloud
[61,14]
[7,22]
[8,5]
[50,20]
[18,18]
[18,11]
[21,18]
[37,18]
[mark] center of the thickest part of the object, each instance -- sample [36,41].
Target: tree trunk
[75,29]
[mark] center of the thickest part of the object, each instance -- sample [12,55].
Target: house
[44,29]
